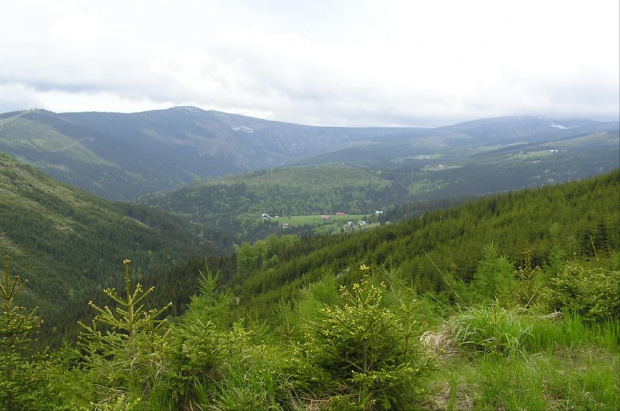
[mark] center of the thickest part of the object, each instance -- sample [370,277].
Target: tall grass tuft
[570,379]
[548,334]
[489,330]
[496,330]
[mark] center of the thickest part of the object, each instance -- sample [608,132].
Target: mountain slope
[70,244]
[121,156]
[580,218]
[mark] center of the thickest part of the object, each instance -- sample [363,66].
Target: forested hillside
[235,204]
[70,243]
[504,302]
[580,217]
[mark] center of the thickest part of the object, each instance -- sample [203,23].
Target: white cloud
[15,96]
[350,62]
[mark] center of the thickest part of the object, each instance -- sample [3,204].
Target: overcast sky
[317,62]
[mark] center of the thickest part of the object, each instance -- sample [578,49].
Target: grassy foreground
[561,364]
[374,344]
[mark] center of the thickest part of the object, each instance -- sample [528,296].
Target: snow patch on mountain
[561,127]
[243,129]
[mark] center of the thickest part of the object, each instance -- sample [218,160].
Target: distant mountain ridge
[122,156]
[458,142]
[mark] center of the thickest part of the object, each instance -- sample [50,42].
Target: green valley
[468,307]
[235,204]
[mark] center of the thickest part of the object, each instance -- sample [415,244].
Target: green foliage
[570,379]
[199,347]
[288,324]
[494,277]
[255,379]
[360,355]
[529,279]
[291,319]
[263,253]
[355,347]
[509,355]
[127,359]
[235,204]
[22,382]
[65,237]
[511,358]
[593,292]
[551,331]
[581,290]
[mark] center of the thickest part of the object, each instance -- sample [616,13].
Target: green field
[534,154]
[331,226]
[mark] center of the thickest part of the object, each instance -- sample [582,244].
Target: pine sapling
[129,354]
[17,331]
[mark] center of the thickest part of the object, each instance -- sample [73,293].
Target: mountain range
[122,156]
